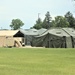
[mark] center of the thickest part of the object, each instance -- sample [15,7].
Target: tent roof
[41,31]
[33,31]
[29,32]
[69,31]
[8,32]
[59,32]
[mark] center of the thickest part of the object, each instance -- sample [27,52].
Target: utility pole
[38,15]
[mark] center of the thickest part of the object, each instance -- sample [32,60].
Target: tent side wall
[52,41]
[28,39]
[2,41]
[38,41]
[73,42]
[6,41]
[69,41]
[9,41]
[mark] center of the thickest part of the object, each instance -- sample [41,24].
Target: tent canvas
[28,34]
[55,38]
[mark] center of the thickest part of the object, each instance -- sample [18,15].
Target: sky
[28,10]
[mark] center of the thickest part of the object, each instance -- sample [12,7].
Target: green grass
[37,61]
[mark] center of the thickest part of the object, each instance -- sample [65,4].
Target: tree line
[67,20]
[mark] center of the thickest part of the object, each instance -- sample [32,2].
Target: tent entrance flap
[68,42]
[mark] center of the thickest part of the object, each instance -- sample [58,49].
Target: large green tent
[56,38]
[28,34]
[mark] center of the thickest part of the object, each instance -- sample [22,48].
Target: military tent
[28,34]
[8,38]
[56,38]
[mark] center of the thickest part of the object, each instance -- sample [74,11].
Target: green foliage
[48,17]
[16,24]
[60,22]
[47,21]
[53,23]
[45,24]
[70,19]
[67,21]
[38,24]
[37,61]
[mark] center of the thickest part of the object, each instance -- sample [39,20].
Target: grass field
[37,61]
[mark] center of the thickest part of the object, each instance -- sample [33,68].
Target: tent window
[58,32]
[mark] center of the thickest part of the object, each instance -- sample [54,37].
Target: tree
[45,24]
[60,22]
[53,23]
[47,21]
[16,24]
[38,24]
[70,19]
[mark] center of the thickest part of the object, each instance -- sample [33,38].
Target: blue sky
[27,10]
